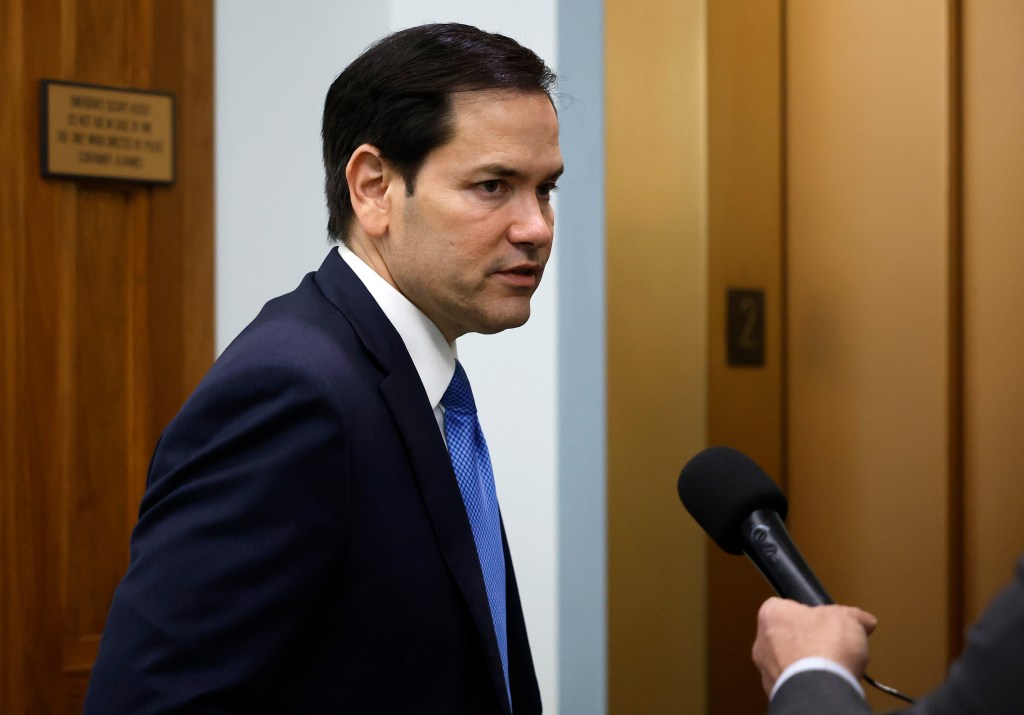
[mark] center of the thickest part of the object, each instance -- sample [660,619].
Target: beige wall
[656,271]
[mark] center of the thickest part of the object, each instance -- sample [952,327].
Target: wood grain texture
[91,371]
[12,237]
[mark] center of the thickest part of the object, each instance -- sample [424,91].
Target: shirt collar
[432,355]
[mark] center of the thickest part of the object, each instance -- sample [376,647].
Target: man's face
[468,248]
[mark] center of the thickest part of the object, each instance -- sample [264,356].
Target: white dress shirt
[432,355]
[815,663]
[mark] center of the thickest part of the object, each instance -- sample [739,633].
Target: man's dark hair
[397,97]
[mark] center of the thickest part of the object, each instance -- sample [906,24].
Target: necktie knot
[459,395]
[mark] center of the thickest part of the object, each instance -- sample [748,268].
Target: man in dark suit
[306,543]
[811,659]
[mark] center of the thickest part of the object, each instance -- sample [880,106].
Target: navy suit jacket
[302,545]
[988,679]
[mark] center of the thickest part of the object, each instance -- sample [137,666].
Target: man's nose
[534,223]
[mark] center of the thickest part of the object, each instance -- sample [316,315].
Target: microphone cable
[887,689]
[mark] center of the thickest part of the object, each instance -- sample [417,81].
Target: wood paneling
[656,357]
[869,366]
[107,322]
[865,170]
[993,80]
[746,229]
[900,217]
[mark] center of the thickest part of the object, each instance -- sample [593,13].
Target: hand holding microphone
[743,511]
[788,631]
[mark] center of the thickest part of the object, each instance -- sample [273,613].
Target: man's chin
[506,321]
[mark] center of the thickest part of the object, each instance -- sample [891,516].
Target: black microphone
[743,511]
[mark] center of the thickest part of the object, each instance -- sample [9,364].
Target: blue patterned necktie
[472,465]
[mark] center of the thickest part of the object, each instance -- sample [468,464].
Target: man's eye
[547,189]
[491,186]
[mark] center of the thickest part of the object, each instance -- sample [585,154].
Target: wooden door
[106,324]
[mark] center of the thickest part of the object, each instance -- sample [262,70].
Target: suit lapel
[443,501]
[405,397]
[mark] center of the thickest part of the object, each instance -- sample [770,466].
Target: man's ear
[369,176]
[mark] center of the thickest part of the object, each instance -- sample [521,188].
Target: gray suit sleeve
[817,692]
[987,680]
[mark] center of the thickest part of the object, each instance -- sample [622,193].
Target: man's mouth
[523,269]
[523,275]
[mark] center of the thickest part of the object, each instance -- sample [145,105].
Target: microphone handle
[768,545]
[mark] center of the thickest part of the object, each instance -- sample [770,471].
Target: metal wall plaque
[745,327]
[94,132]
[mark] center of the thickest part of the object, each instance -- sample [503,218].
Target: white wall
[273,67]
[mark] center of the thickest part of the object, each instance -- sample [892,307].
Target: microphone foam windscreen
[721,487]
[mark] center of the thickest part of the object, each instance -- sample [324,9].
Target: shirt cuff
[816,663]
